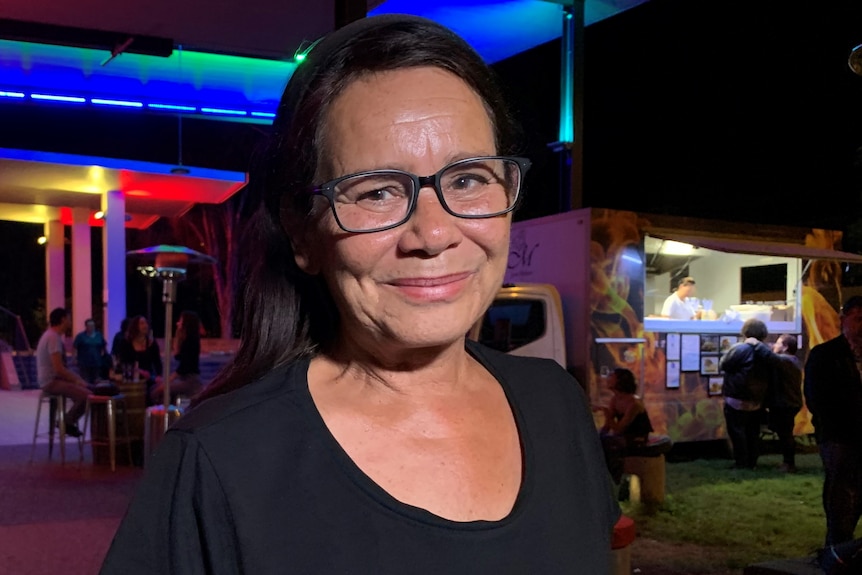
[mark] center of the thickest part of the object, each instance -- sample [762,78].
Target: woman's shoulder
[257,404]
[516,366]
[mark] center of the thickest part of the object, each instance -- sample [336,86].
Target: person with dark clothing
[833,394]
[140,350]
[185,380]
[627,425]
[119,337]
[749,369]
[785,399]
[357,429]
[90,348]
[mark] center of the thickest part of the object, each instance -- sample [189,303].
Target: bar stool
[56,420]
[111,403]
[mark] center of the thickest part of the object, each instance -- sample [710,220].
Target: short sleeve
[178,522]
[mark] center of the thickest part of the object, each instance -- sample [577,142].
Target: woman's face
[143,327]
[425,282]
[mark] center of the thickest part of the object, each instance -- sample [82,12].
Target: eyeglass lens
[475,188]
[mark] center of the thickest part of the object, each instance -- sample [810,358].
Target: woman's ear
[304,257]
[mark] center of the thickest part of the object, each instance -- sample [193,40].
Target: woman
[186,379]
[357,431]
[139,348]
[627,425]
[626,416]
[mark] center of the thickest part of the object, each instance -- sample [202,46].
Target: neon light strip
[172,107]
[122,103]
[223,111]
[164,107]
[59,98]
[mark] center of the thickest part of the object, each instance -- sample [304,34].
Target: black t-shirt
[253,482]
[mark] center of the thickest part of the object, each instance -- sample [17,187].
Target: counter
[660,324]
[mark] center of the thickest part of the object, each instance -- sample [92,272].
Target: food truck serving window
[719,266]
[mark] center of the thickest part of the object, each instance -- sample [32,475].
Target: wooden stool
[111,403]
[647,485]
[56,420]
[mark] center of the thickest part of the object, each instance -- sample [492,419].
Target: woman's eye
[378,195]
[468,180]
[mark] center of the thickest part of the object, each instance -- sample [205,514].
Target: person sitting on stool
[53,375]
[186,380]
[627,424]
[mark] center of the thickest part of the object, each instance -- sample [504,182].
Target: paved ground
[53,518]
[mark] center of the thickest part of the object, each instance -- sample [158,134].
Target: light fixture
[99,215]
[304,48]
[672,248]
[42,240]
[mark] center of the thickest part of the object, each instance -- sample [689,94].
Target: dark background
[748,114]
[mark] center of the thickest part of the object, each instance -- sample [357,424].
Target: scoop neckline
[376,495]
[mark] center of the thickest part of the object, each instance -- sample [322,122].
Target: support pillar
[55,266]
[570,146]
[82,265]
[114,261]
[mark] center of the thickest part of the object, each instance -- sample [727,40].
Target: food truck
[597,279]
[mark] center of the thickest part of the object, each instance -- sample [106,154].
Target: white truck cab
[525,319]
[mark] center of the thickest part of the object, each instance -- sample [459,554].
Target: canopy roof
[38,187]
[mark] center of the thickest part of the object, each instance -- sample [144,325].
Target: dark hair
[191,325]
[855,302]
[789,342]
[687,281]
[754,328]
[57,315]
[133,328]
[625,380]
[287,313]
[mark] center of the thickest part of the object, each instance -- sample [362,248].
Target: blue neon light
[117,164]
[248,89]
[257,116]
[59,98]
[223,111]
[121,103]
[172,107]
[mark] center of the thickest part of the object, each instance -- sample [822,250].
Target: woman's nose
[430,228]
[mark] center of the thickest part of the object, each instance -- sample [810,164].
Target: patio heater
[170,264]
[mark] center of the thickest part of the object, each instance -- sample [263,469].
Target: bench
[646,465]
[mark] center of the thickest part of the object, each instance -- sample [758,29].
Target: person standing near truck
[833,394]
[785,400]
[750,369]
[676,305]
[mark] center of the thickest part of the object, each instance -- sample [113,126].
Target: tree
[216,229]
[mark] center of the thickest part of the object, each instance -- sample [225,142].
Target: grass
[718,520]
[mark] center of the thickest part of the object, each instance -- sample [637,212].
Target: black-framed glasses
[379,200]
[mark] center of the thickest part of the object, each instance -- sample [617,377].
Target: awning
[759,247]
[37,187]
